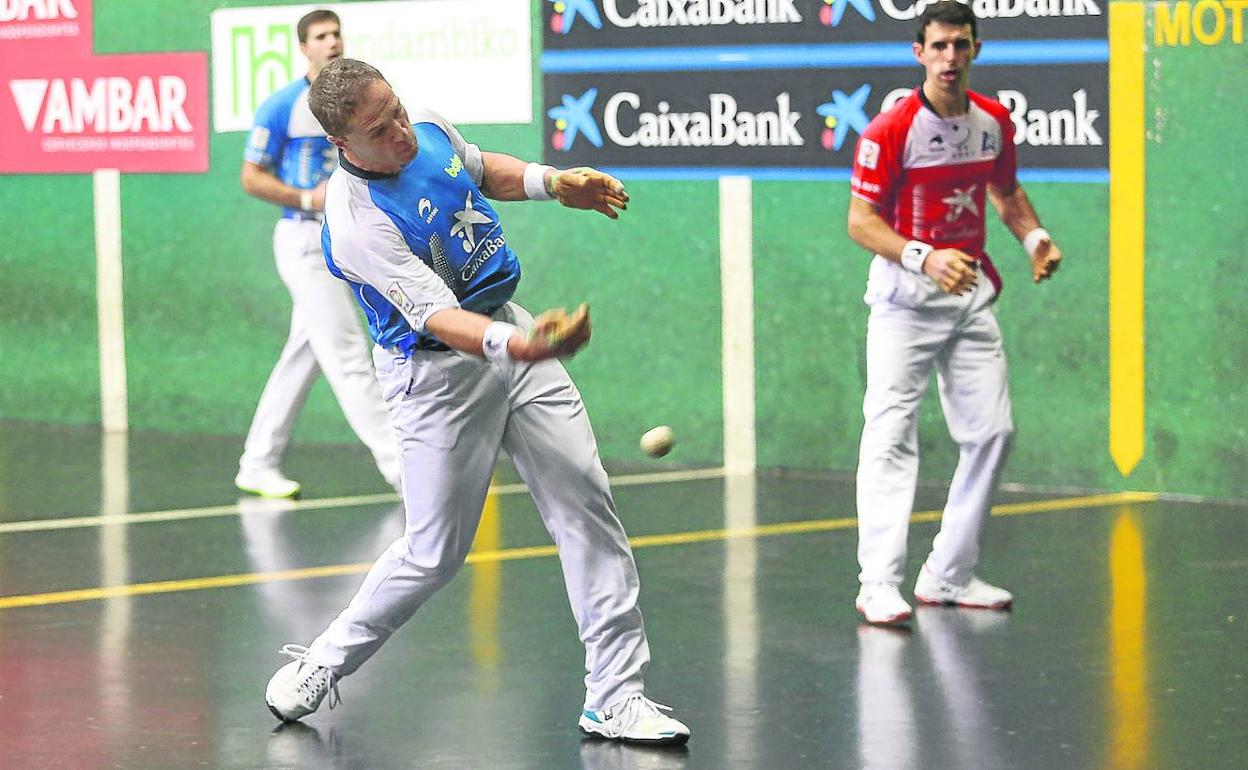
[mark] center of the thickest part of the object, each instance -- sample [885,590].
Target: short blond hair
[337,92]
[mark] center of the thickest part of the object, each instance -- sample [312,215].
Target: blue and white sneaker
[635,720]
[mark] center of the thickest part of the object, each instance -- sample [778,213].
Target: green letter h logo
[258,73]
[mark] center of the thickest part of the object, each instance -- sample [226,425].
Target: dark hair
[314,17]
[337,92]
[949,12]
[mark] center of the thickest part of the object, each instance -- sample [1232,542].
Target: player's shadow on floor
[602,754]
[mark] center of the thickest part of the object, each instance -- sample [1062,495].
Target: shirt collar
[928,104]
[355,170]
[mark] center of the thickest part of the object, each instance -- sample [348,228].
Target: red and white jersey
[928,175]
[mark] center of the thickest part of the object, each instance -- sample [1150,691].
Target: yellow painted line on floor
[541,551]
[1130,713]
[1126,235]
[260,505]
[1068,503]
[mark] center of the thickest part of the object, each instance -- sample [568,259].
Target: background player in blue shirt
[408,226]
[286,162]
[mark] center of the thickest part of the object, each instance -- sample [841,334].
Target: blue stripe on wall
[830,55]
[1070,175]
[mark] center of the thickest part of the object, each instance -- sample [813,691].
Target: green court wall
[206,314]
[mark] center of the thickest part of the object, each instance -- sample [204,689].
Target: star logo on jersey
[572,119]
[566,11]
[961,201]
[833,11]
[464,220]
[843,113]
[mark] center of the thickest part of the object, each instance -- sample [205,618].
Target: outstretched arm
[1017,213]
[507,178]
[503,179]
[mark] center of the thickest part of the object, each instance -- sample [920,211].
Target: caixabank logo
[998,19]
[598,24]
[802,118]
[833,11]
[640,125]
[645,23]
[574,118]
[845,112]
[564,14]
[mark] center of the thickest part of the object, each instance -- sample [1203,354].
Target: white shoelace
[317,680]
[630,712]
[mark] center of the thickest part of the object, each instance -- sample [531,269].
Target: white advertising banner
[469,60]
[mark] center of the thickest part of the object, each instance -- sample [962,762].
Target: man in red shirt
[923,172]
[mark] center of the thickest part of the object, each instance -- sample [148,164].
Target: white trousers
[453,412]
[325,336]
[962,341]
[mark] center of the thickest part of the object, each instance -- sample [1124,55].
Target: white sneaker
[298,687]
[882,603]
[635,720]
[976,594]
[266,482]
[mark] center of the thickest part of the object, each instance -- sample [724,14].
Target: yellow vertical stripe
[1126,235]
[483,596]
[1129,712]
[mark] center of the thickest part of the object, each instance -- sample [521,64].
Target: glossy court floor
[144,605]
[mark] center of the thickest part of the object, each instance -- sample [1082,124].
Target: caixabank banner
[573,24]
[807,118]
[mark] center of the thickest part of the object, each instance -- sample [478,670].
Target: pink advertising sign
[65,110]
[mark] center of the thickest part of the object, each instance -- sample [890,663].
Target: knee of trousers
[991,437]
[889,443]
[438,561]
[890,422]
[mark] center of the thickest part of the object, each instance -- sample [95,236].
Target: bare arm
[465,330]
[870,231]
[504,177]
[953,270]
[261,183]
[579,188]
[1017,214]
[1015,209]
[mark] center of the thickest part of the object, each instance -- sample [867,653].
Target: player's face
[381,136]
[324,44]
[946,53]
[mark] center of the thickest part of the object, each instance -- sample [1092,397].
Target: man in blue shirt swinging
[466,372]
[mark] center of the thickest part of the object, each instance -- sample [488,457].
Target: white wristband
[1031,241]
[305,200]
[494,342]
[913,255]
[535,182]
